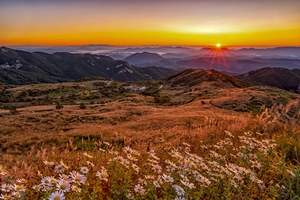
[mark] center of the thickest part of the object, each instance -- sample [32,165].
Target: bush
[82,105]
[161,99]
[58,104]
[13,110]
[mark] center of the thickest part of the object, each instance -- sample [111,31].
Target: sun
[218,45]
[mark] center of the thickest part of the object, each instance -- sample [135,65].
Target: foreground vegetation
[195,144]
[250,165]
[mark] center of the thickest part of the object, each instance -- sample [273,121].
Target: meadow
[131,147]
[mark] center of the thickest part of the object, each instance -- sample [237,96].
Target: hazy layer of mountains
[222,60]
[21,67]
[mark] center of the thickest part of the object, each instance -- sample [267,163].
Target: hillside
[20,67]
[144,57]
[196,77]
[158,73]
[276,77]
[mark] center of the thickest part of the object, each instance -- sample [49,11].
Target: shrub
[161,99]
[82,105]
[13,110]
[58,104]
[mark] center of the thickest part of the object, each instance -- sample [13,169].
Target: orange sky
[137,22]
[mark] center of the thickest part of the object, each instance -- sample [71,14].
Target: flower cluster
[236,163]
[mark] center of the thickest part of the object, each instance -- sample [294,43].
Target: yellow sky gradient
[232,23]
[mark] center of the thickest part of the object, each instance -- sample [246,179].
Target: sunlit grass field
[258,161]
[131,147]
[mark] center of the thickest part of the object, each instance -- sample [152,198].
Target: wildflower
[64,177]
[2,171]
[260,184]
[78,178]
[229,134]
[186,144]
[102,150]
[142,181]
[107,144]
[62,186]
[154,157]
[253,178]
[135,168]
[171,164]
[136,153]
[40,174]
[6,187]
[170,169]
[156,184]
[52,180]
[22,180]
[75,188]
[157,168]
[132,158]
[127,150]
[255,164]
[16,194]
[240,154]
[36,187]
[87,155]
[188,184]
[84,170]
[139,189]
[129,196]
[260,134]
[64,165]
[19,188]
[179,190]
[103,175]
[167,178]
[151,177]
[233,183]
[48,163]
[5,196]
[291,173]
[90,164]
[59,169]
[56,196]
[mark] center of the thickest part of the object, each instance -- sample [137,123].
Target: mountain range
[224,60]
[20,67]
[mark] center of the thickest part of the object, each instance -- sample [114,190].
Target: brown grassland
[111,117]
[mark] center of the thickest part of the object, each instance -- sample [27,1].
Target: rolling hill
[276,77]
[194,77]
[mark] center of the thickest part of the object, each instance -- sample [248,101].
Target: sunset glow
[133,22]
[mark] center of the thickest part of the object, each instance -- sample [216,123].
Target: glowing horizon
[140,23]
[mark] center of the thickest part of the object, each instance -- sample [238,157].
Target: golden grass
[42,132]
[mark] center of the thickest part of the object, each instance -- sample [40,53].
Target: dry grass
[42,132]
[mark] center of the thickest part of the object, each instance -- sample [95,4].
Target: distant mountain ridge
[276,77]
[21,67]
[144,57]
[195,77]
